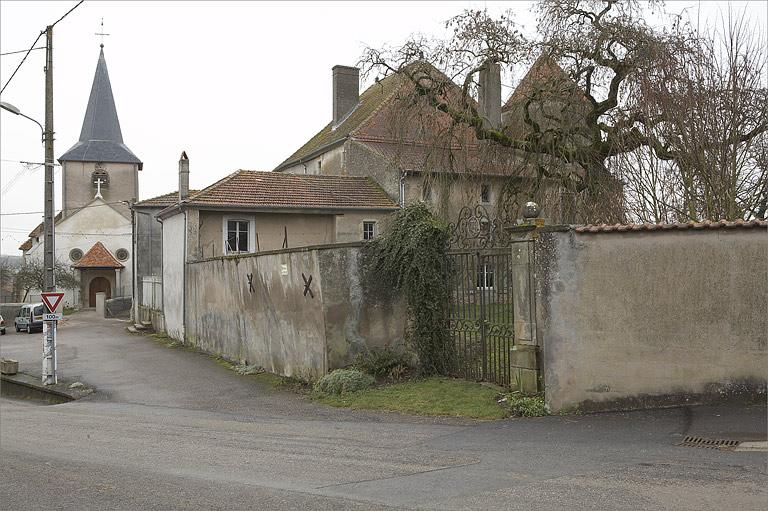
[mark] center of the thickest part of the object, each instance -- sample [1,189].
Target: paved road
[171,429]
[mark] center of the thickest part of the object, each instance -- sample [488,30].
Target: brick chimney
[183,177]
[489,95]
[346,92]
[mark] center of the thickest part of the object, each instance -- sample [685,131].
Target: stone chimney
[489,95]
[183,177]
[346,92]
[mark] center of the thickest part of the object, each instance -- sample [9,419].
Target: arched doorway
[98,285]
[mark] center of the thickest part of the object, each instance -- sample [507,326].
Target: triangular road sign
[52,300]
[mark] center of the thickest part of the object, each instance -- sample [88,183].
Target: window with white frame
[485,277]
[485,194]
[369,229]
[237,236]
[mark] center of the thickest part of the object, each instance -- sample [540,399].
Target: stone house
[251,212]
[418,155]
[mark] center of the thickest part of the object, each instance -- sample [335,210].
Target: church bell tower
[100,165]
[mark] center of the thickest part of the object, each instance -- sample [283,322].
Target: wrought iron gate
[493,303]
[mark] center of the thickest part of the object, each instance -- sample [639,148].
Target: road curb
[27,386]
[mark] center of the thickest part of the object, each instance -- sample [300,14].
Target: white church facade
[100,180]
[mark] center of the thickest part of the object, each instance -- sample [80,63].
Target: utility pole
[49,335]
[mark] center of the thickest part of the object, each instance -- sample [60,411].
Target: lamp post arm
[42,130]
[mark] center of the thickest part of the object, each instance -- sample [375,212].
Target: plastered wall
[633,320]
[258,309]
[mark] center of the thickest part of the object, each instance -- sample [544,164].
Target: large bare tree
[31,275]
[711,104]
[607,98]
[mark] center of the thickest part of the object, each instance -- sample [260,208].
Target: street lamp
[15,111]
[49,276]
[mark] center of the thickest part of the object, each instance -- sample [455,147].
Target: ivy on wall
[409,257]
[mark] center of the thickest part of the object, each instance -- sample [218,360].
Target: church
[100,180]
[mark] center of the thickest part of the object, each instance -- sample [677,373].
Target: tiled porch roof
[98,257]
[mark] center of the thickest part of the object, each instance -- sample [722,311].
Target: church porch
[99,272]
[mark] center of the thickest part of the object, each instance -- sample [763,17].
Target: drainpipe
[162,280]
[184,285]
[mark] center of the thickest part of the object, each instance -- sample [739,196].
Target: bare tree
[31,276]
[7,280]
[714,106]
[602,102]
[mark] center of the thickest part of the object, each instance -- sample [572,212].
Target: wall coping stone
[309,248]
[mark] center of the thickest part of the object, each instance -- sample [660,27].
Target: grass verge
[437,396]
[429,396]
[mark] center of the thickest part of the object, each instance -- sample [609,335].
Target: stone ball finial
[531,210]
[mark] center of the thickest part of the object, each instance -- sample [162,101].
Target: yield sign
[52,300]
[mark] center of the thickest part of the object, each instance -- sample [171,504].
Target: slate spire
[101,122]
[101,138]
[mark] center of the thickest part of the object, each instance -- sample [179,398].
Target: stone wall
[117,307]
[643,319]
[256,309]
[8,312]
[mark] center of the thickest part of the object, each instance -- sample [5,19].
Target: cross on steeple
[102,34]
[98,184]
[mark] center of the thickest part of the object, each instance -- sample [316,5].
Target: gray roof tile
[100,137]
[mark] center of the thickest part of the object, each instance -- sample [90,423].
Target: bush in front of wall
[410,257]
[383,362]
[520,405]
[343,381]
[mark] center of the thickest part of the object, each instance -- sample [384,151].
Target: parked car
[2,325]
[30,317]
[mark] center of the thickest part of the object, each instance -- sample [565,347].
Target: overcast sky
[235,84]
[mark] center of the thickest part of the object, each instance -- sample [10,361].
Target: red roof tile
[479,161]
[707,224]
[546,74]
[276,190]
[98,257]
[164,200]
[37,231]
[386,113]
[26,245]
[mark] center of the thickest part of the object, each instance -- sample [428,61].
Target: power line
[30,162]
[67,13]
[17,230]
[22,61]
[19,213]
[20,51]
[24,170]
[33,45]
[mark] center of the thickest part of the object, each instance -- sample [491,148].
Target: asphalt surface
[172,429]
